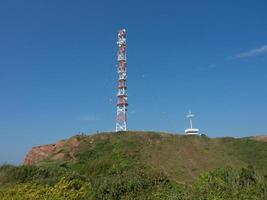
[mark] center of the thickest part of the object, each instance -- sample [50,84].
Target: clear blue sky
[58,68]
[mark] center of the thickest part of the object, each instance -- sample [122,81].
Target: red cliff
[52,151]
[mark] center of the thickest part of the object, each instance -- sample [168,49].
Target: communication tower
[122,97]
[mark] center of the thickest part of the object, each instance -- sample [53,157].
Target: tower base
[192,131]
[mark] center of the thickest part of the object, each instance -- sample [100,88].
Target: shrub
[63,190]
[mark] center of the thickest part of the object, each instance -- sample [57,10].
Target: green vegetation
[138,165]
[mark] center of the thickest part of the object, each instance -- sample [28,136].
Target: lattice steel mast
[122,97]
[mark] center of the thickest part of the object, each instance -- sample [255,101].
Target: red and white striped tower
[122,97]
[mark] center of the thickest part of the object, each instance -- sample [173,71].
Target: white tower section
[191,130]
[190,116]
[122,97]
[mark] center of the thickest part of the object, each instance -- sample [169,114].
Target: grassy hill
[137,165]
[180,157]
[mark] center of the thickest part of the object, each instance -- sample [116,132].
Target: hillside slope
[140,165]
[182,158]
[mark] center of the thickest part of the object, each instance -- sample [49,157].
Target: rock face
[52,151]
[39,153]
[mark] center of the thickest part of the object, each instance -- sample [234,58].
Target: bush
[63,190]
[230,184]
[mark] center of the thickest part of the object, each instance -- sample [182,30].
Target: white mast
[191,130]
[190,116]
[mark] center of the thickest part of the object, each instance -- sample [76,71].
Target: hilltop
[181,157]
[127,164]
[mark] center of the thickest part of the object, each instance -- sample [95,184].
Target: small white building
[191,130]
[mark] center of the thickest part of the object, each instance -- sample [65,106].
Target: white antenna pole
[190,117]
[191,130]
[191,123]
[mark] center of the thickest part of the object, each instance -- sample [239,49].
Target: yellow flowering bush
[63,190]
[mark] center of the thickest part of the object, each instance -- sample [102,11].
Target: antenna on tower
[122,97]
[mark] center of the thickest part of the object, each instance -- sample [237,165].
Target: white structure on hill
[191,130]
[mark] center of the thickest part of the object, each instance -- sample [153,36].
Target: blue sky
[58,68]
